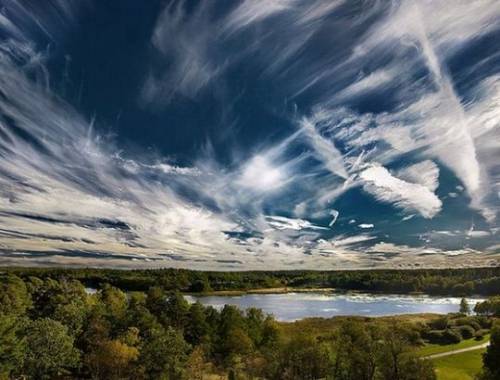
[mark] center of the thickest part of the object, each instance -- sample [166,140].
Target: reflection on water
[293,306]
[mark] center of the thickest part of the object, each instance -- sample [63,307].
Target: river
[294,306]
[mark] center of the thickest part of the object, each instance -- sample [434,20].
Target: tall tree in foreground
[12,345]
[356,350]
[50,350]
[397,361]
[164,354]
[491,358]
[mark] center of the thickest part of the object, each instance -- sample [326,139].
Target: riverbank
[321,290]
[278,290]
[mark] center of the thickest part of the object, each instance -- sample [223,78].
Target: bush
[434,336]
[466,331]
[451,336]
[467,322]
[420,342]
[480,334]
[440,323]
[484,322]
[476,326]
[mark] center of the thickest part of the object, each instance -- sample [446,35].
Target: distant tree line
[54,329]
[458,282]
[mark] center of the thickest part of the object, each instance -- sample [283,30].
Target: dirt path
[479,346]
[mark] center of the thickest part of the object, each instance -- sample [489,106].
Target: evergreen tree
[464,307]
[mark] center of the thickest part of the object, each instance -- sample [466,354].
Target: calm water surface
[293,306]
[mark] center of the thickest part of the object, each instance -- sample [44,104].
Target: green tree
[197,329]
[303,358]
[138,314]
[112,359]
[156,303]
[164,354]
[356,352]
[177,309]
[255,324]
[14,295]
[200,286]
[50,350]
[195,365]
[464,307]
[490,307]
[115,303]
[12,345]
[52,296]
[491,358]
[397,361]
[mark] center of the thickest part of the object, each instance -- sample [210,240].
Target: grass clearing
[431,349]
[463,366]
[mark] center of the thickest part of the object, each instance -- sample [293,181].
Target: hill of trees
[459,282]
[54,329]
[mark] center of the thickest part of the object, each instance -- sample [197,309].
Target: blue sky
[254,134]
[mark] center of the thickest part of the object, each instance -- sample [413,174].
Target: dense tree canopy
[54,328]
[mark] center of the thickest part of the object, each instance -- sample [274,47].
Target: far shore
[288,289]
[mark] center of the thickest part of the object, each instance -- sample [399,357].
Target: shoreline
[279,290]
[324,290]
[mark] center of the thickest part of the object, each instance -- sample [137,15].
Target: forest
[457,282]
[54,328]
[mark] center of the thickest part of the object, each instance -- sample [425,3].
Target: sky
[252,134]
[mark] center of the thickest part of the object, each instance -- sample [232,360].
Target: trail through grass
[431,349]
[462,366]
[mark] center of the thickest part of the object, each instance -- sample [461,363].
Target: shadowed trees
[491,358]
[53,329]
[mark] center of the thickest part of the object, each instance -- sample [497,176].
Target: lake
[293,306]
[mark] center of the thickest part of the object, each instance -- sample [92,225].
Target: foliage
[164,354]
[431,349]
[12,345]
[490,307]
[464,307]
[51,350]
[491,357]
[14,296]
[459,282]
[50,327]
[466,332]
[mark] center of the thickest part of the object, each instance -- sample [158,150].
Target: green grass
[431,349]
[462,366]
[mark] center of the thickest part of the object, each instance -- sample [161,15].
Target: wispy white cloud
[425,173]
[324,148]
[409,196]
[283,223]
[252,11]
[69,196]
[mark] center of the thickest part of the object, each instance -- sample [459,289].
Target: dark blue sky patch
[251,134]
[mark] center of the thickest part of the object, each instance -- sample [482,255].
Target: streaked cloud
[335,136]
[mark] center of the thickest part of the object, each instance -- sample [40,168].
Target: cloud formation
[338,124]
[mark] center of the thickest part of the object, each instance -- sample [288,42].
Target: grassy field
[324,327]
[462,366]
[431,349]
